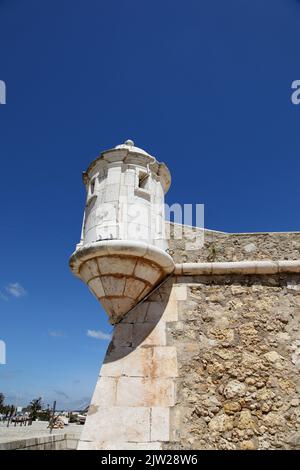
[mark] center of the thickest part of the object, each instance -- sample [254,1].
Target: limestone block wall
[136,389]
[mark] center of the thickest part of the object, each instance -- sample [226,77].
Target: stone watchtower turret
[205,353]
[122,252]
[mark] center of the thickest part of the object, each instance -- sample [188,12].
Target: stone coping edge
[237,267]
[122,248]
[32,441]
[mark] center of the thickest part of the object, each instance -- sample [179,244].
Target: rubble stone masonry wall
[238,352]
[185,245]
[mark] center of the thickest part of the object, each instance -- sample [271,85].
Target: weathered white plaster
[125,184]
[122,252]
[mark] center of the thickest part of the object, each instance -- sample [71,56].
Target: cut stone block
[96,287]
[89,270]
[149,334]
[137,314]
[113,424]
[113,265]
[180,292]
[164,361]
[113,286]
[122,335]
[104,394]
[134,287]
[160,424]
[108,307]
[155,311]
[171,309]
[121,305]
[136,391]
[144,270]
[135,364]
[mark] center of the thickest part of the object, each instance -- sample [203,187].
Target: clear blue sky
[203,85]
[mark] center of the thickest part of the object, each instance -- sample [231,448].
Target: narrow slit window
[143,180]
[92,186]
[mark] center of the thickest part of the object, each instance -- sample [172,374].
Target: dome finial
[129,142]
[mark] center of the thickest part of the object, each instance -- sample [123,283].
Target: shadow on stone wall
[141,325]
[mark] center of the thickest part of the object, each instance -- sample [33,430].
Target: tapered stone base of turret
[121,274]
[132,404]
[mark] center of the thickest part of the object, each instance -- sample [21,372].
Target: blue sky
[203,85]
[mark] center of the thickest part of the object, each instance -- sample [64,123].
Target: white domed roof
[129,145]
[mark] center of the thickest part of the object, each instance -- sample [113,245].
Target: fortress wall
[238,345]
[238,351]
[219,246]
[206,362]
